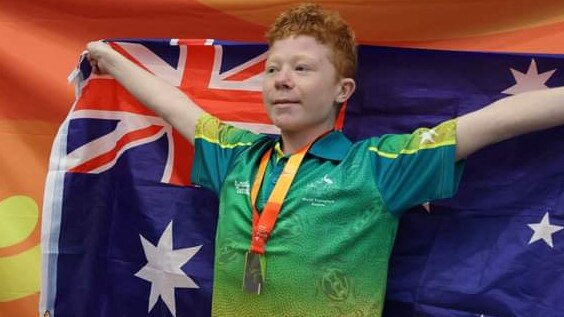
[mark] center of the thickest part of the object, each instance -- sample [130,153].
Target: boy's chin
[286,124]
[288,127]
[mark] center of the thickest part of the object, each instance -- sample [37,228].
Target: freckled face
[300,88]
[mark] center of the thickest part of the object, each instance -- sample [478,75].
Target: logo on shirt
[243,187]
[321,184]
[335,284]
[317,190]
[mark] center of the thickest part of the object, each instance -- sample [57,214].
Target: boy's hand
[98,56]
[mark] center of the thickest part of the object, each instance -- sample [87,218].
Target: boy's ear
[347,85]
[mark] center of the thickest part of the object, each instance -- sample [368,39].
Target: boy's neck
[292,141]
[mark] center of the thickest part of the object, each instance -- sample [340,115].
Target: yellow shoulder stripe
[207,129]
[424,138]
[223,145]
[409,151]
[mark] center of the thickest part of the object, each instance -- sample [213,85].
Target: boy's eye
[301,68]
[270,70]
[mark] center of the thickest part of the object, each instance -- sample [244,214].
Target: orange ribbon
[263,224]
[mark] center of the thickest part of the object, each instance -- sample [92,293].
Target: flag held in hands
[124,234]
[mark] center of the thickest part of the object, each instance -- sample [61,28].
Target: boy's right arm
[167,101]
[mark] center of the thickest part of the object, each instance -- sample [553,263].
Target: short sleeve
[216,145]
[412,169]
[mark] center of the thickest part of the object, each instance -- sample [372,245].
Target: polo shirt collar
[333,146]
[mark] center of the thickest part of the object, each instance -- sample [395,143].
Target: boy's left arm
[509,117]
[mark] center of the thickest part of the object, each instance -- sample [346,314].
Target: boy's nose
[283,80]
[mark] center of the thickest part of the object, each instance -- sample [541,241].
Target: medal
[253,278]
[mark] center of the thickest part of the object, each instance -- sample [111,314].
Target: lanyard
[264,223]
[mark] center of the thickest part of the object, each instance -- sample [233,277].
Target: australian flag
[125,235]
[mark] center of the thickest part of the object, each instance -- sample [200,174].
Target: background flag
[116,198]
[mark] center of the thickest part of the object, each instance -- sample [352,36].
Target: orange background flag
[41,41]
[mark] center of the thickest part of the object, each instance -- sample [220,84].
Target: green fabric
[332,147]
[328,253]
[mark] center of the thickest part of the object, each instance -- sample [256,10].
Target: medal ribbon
[263,224]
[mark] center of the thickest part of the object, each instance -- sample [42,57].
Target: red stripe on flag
[182,160]
[107,157]
[123,52]
[228,105]
[108,95]
[249,72]
[192,41]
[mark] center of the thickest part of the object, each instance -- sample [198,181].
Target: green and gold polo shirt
[328,253]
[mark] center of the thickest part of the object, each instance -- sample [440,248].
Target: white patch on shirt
[315,191]
[243,187]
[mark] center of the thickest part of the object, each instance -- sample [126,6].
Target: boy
[307,222]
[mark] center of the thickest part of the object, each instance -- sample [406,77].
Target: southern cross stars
[544,230]
[530,81]
[163,269]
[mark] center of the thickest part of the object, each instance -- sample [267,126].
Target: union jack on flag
[218,82]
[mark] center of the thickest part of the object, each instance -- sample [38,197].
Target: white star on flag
[530,81]
[544,230]
[427,136]
[163,269]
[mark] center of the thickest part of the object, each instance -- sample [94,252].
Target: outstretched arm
[509,117]
[166,100]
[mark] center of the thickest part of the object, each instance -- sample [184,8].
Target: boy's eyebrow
[276,58]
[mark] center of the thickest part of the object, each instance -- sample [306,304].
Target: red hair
[327,27]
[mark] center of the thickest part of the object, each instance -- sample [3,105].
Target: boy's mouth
[284,101]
